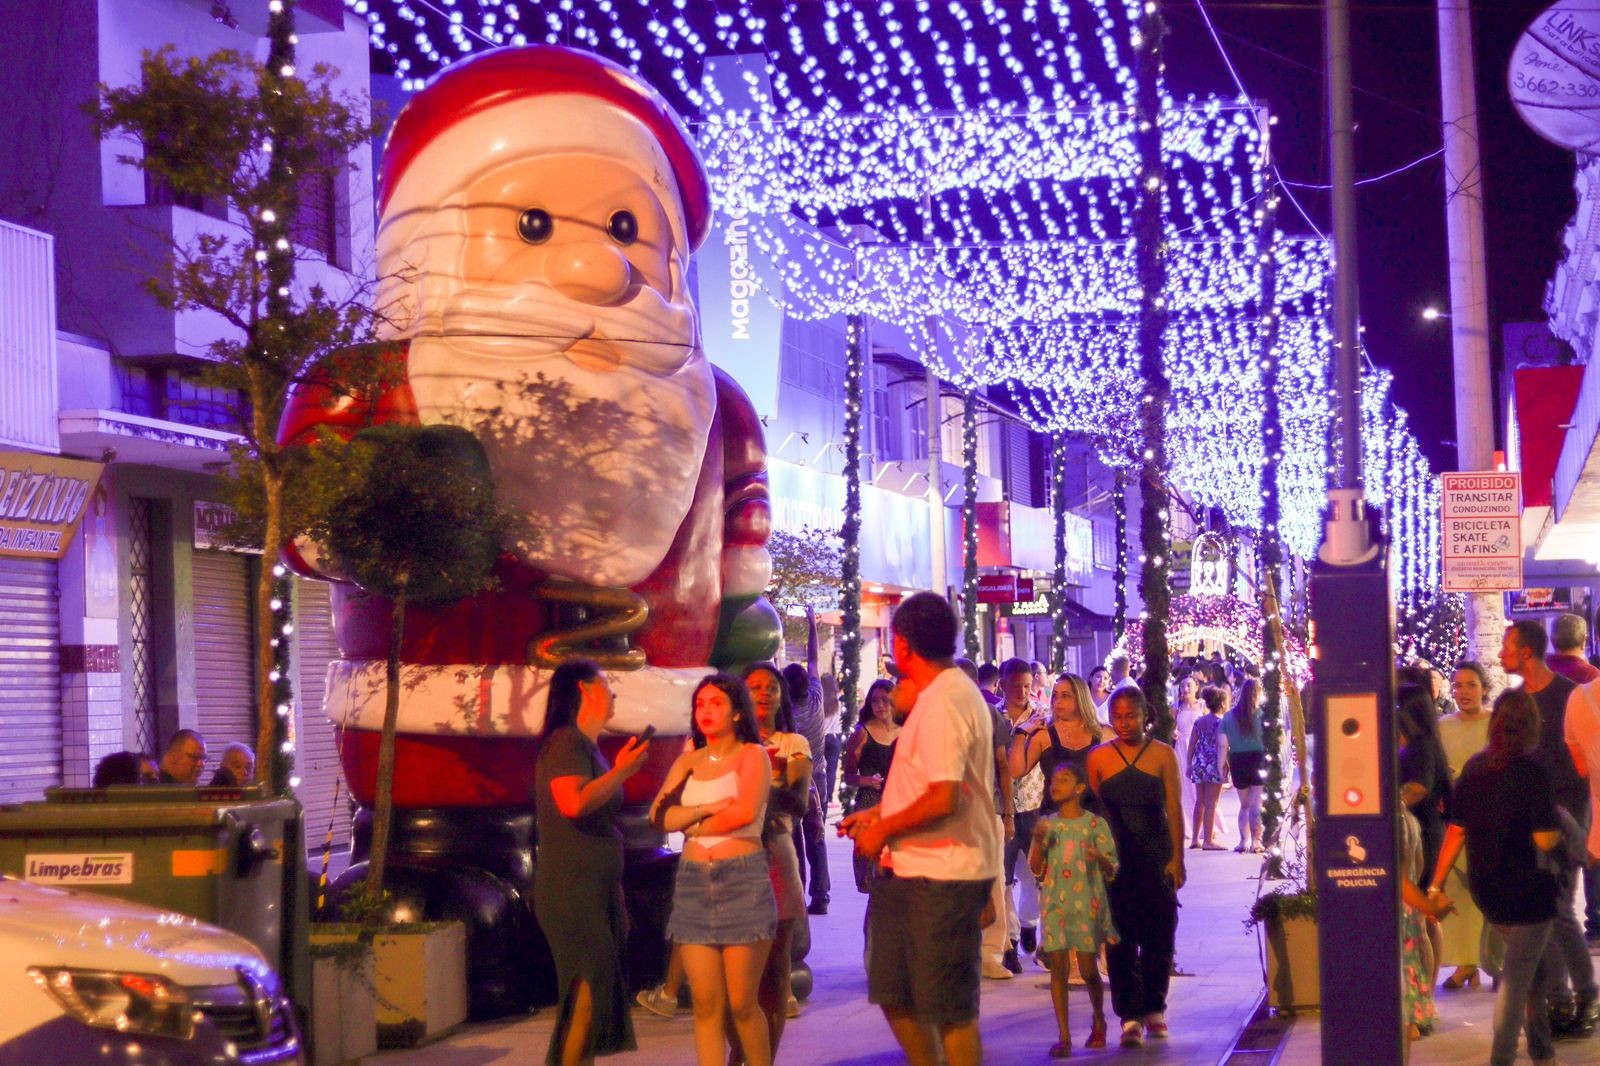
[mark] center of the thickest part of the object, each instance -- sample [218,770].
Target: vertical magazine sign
[1481,523]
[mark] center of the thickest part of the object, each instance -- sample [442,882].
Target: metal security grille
[316,747]
[30,685]
[141,616]
[224,673]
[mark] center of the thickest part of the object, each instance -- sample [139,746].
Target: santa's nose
[589,271]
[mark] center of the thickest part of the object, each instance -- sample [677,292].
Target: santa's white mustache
[651,333]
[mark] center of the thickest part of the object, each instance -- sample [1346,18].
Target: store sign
[213,523]
[1029,609]
[1004,588]
[1554,75]
[1536,601]
[42,498]
[1481,521]
[1210,566]
[741,324]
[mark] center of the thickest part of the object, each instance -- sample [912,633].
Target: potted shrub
[1289,917]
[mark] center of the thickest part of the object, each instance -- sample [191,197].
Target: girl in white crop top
[716,795]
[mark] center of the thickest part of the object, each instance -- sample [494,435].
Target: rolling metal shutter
[316,760]
[223,674]
[30,679]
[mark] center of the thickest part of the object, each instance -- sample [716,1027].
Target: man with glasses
[183,759]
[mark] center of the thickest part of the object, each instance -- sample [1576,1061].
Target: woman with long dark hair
[723,914]
[868,755]
[1504,811]
[1247,759]
[790,756]
[577,884]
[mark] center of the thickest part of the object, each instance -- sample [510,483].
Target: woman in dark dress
[1136,779]
[577,884]
[1505,813]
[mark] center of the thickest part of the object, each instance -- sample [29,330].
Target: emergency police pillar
[1356,870]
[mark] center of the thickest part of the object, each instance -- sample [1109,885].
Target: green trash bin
[210,853]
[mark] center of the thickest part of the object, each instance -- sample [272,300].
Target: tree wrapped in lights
[969,523]
[1151,253]
[850,531]
[1058,575]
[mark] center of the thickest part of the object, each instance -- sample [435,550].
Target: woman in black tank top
[867,756]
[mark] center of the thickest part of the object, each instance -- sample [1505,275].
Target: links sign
[1481,524]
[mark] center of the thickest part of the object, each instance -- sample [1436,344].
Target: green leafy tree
[806,568]
[409,514]
[231,128]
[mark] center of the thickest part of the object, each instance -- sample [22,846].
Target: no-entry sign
[1481,522]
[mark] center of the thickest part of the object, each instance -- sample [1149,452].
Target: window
[1105,544]
[813,358]
[172,395]
[883,442]
[316,223]
[158,193]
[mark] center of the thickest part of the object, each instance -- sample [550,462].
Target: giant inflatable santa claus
[538,207]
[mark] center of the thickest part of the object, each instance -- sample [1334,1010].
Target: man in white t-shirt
[939,841]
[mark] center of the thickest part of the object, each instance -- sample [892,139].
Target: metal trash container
[216,854]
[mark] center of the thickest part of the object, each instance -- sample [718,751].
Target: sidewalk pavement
[839,1027]
[1463,1035]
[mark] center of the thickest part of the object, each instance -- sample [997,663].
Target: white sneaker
[994,971]
[1132,1034]
[656,1001]
[1155,1025]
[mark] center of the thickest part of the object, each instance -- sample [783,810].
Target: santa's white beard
[601,463]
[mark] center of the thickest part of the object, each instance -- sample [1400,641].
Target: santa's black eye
[623,227]
[535,225]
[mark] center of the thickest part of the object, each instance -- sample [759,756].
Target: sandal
[1097,1035]
[1218,847]
[1062,1050]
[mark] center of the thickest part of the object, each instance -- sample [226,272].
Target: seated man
[238,767]
[183,758]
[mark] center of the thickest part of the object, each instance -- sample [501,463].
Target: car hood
[43,926]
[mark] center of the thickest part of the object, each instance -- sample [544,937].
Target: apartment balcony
[27,340]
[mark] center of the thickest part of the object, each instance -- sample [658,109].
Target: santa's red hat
[469,89]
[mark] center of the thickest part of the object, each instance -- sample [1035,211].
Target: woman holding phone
[577,884]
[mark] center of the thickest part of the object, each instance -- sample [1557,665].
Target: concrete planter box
[420,979]
[344,1020]
[1293,982]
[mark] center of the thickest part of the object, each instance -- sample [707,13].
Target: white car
[87,978]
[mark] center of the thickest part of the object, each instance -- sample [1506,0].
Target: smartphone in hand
[646,736]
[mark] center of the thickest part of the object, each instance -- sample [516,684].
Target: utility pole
[1469,295]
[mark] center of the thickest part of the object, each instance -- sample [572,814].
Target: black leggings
[1145,909]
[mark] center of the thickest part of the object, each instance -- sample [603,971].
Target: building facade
[144,623]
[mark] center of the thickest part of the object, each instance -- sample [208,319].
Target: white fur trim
[448,700]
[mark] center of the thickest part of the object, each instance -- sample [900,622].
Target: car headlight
[127,1002]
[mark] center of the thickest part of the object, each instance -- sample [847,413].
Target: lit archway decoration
[1224,619]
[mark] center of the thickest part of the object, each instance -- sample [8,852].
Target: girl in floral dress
[1073,855]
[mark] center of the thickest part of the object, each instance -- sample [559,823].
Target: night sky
[1277,50]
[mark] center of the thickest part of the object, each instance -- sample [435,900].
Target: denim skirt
[728,901]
